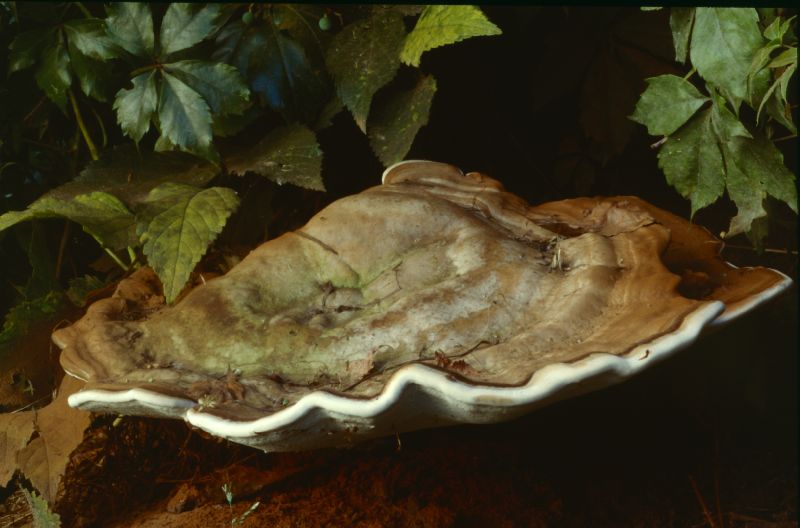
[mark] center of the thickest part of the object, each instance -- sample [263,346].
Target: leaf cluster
[187,75]
[718,126]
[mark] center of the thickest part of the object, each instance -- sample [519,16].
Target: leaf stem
[79,117]
[62,246]
[132,255]
[143,69]
[83,9]
[691,72]
[111,254]
[784,138]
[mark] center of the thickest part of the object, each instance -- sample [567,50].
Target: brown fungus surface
[433,267]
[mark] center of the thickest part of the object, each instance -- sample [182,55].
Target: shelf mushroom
[432,299]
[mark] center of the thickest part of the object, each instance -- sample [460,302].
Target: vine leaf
[136,106]
[667,103]
[287,155]
[692,162]
[26,47]
[89,36]
[184,25]
[221,85]
[53,75]
[440,25]
[723,43]
[393,126]
[177,224]
[130,26]
[102,215]
[363,57]
[184,116]
[680,22]
[755,169]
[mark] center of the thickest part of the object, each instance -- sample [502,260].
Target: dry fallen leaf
[15,431]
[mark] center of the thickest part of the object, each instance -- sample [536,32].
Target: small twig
[143,69]
[83,9]
[659,142]
[706,512]
[79,117]
[61,247]
[765,250]
[784,138]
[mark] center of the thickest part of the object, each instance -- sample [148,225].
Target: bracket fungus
[432,299]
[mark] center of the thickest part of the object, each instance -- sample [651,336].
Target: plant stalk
[82,125]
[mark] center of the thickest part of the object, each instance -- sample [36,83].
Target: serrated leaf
[777,28]
[184,116]
[101,215]
[287,155]
[781,112]
[726,125]
[762,164]
[221,85]
[667,103]
[42,516]
[53,75]
[363,57]
[135,106]
[185,25]
[130,175]
[724,41]
[783,83]
[130,26]
[25,48]
[176,227]
[440,25]
[692,162]
[393,126]
[680,22]
[93,75]
[89,36]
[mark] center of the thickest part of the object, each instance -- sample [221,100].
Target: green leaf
[177,225]
[26,47]
[440,25]
[363,57]
[131,175]
[185,25]
[726,125]
[762,162]
[692,162]
[184,116]
[135,106]
[43,517]
[778,28]
[89,36]
[102,215]
[43,267]
[786,58]
[23,317]
[221,85]
[393,126]
[680,22]
[783,83]
[287,155]
[130,26]
[781,112]
[667,103]
[53,75]
[93,75]
[724,41]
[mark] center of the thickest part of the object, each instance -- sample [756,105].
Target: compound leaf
[287,155]
[667,103]
[363,57]
[440,25]
[393,126]
[177,225]
[89,36]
